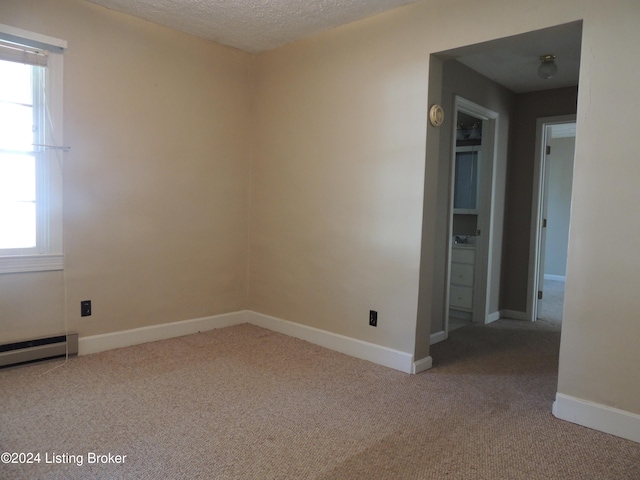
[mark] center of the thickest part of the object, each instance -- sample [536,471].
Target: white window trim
[51,256]
[33,39]
[31,263]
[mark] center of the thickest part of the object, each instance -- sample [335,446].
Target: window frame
[49,254]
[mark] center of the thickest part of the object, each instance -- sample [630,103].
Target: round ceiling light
[548,67]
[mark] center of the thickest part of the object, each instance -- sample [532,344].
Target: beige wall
[31,305]
[598,355]
[155,183]
[155,195]
[337,183]
[336,205]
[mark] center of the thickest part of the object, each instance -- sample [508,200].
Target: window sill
[31,263]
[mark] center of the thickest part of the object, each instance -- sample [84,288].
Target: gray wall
[528,108]
[458,79]
[514,181]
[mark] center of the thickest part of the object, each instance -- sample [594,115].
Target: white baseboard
[494,316]
[599,417]
[421,365]
[437,337]
[559,278]
[514,315]
[126,338]
[350,346]
[454,313]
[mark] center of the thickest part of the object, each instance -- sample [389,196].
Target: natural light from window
[18,131]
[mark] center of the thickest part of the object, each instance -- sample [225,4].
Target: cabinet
[467,164]
[463,259]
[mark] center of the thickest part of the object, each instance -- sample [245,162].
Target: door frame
[536,252]
[486,196]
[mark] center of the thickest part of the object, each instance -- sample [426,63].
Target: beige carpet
[552,302]
[245,403]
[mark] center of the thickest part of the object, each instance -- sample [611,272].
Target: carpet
[246,403]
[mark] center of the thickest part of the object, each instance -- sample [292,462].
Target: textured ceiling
[259,25]
[251,25]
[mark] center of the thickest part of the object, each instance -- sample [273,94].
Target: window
[30,151]
[21,130]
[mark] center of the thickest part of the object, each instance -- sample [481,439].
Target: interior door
[544,209]
[546,218]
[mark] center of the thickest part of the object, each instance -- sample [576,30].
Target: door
[551,213]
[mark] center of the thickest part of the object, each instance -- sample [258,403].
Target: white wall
[560,174]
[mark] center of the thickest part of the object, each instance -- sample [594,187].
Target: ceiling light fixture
[548,67]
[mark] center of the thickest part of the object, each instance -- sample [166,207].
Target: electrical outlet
[373,318]
[85,308]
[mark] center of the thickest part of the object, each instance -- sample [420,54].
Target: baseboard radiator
[38,349]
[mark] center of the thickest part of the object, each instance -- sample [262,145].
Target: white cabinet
[462,274]
[463,261]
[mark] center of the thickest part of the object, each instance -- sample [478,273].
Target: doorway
[470,214]
[500,74]
[551,210]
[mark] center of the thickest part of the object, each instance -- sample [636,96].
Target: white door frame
[486,197]
[536,240]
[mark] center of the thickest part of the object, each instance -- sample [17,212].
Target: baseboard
[126,338]
[437,337]
[421,365]
[559,278]
[599,417]
[468,316]
[492,317]
[514,315]
[350,346]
